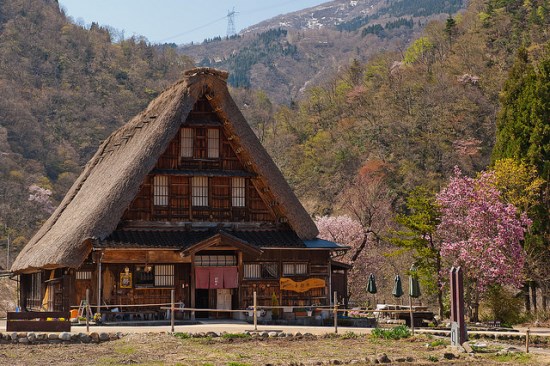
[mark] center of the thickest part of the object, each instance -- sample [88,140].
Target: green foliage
[419,51]
[501,304]
[183,335]
[432,358]
[438,342]
[398,332]
[349,335]
[235,336]
[518,358]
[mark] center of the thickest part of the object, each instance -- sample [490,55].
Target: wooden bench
[36,321]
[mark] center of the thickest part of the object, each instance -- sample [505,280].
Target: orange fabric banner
[303,286]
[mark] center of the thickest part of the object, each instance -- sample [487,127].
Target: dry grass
[8,296]
[164,349]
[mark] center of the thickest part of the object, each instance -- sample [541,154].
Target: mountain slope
[286,53]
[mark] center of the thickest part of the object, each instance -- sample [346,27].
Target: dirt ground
[165,349]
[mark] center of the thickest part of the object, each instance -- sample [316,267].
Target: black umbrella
[414,287]
[371,285]
[371,288]
[397,287]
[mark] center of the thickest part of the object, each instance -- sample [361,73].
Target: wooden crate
[35,321]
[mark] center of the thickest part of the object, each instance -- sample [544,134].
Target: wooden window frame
[213,143]
[265,270]
[290,269]
[238,192]
[161,188]
[187,138]
[200,191]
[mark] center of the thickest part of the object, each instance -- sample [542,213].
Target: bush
[501,304]
[398,332]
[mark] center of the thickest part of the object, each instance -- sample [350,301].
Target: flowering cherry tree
[481,233]
[42,197]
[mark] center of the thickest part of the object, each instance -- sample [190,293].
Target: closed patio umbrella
[414,287]
[371,288]
[397,287]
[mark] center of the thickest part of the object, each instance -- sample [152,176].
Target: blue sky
[178,21]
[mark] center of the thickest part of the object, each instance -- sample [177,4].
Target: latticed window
[186,143]
[164,275]
[199,191]
[261,270]
[213,143]
[294,269]
[160,190]
[215,260]
[83,275]
[238,192]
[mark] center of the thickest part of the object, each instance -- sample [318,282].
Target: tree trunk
[440,303]
[534,295]
[526,297]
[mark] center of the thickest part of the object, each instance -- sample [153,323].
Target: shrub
[501,304]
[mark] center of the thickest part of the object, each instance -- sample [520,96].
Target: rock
[309,335]
[449,356]
[41,336]
[53,336]
[212,334]
[13,336]
[409,359]
[400,359]
[383,358]
[119,335]
[84,338]
[336,362]
[65,336]
[273,334]
[354,362]
[281,335]
[95,337]
[21,335]
[467,347]
[297,334]
[264,334]
[31,336]
[24,340]
[75,337]
[103,337]
[113,336]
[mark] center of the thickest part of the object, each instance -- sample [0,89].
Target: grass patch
[126,350]
[182,335]
[432,358]
[236,336]
[237,364]
[349,335]
[437,343]
[515,358]
[398,332]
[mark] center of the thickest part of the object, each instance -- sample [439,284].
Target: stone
[21,335]
[383,358]
[400,359]
[336,362]
[273,334]
[41,336]
[354,362]
[84,338]
[281,335]
[103,337]
[31,336]
[467,347]
[212,334]
[297,334]
[13,336]
[449,356]
[409,359]
[65,336]
[95,337]
[24,340]
[264,334]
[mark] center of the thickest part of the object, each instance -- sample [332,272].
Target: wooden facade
[203,223]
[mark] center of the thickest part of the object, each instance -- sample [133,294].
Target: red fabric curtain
[230,277]
[216,277]
[202,277]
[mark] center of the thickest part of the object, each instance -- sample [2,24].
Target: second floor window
[213,143]
[238,192]
[186,143]
[160,190]
[199,191]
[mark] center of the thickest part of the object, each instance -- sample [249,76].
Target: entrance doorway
[201,302]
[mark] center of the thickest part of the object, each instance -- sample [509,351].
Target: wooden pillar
[240,279]
[192,285]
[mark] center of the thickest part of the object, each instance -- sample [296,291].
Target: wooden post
[99,284]
[527,332]
[88,310]
[255,313]
[335,310]
[172,305]
[412,316]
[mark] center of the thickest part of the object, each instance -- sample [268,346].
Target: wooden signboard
[303,286]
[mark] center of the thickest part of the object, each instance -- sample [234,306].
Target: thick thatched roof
[97,200]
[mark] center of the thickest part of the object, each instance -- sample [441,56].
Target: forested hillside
[357,140]
[63,90]
[287,53]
